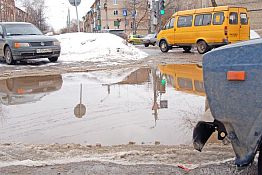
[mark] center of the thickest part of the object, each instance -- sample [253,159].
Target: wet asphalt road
[44,67]
[85,168]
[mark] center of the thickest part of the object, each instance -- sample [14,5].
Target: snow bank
[254,34]
[97,47]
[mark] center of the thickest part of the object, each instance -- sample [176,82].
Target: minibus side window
[184,21]
[199,86]
[243,18]
[218,18]
[198,20]
[233,18]
[207,19]
[203,20]
[185,83]
[172,22]
[167,25]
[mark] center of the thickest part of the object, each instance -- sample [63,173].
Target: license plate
[43,50]
[45,83]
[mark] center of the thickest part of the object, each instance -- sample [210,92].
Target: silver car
[149,39]
[20,40]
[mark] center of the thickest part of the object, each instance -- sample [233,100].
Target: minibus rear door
[244,29]
[233,25]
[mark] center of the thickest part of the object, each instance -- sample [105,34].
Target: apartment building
[111,13]
[129,15]
[9,12]
[254,8]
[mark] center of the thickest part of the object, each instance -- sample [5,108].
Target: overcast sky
[57,10]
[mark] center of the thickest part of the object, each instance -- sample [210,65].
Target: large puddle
[142,105]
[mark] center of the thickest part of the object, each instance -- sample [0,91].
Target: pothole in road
[132,105]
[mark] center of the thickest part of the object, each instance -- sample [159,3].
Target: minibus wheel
[163,46]
[202,47]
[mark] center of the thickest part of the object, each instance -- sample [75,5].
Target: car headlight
[19,45]
[56,43]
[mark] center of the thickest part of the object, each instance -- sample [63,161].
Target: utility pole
[68,21]
[105,7]
[155,105]
[149,16]
[159,21]
[134,17]
[78,27]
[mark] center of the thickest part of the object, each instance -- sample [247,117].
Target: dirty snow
[97,47]
[254,34]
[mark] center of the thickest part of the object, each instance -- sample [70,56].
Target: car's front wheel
[53,59]
[8,56]
[146,45]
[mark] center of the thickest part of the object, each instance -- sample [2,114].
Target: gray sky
[57,10]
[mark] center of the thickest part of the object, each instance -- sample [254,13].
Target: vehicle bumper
[237,104]
[146,42]
[32,53]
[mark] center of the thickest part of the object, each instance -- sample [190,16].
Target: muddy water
[140,105]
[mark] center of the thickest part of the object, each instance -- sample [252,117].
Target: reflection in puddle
[146,106]
[28,89]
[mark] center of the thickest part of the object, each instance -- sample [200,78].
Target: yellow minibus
[206,28]
[185,77]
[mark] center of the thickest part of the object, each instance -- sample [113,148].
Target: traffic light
[162,7]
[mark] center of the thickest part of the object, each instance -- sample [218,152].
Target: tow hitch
[204,130]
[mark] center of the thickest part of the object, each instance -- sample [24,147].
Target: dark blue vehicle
[21,40]
[233,84]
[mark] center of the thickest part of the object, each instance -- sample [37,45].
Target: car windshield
[21,29]
[150,36]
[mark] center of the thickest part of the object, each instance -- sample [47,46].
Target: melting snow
[97,47]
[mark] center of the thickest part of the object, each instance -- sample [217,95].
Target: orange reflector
[236,75]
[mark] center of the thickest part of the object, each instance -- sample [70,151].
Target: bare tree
[73,27]
[139,10]
[36,15]
[171,7]
[214,4]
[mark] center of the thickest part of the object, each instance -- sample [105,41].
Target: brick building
[9,12]
[118,14]
[103,16]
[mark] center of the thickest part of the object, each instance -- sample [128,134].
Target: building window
[115,2]
[115,12]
